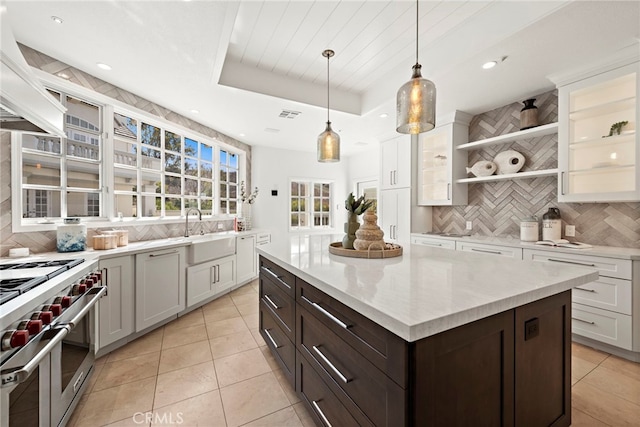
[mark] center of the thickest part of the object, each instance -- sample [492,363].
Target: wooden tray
[337,249]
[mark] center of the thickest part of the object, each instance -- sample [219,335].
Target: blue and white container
[72,236]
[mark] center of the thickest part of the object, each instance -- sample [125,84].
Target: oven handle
[10,378]
[90,298]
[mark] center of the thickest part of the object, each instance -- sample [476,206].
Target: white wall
[272,169]
[363,166]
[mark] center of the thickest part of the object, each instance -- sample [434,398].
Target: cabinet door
[160,286]
[388,210]
[225,277]
[117,307]
[395,215]
[389,157]
[595,166]
[246,258]
[395,157]
[200,282]
[440,164]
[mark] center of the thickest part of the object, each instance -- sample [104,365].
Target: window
[154,168]
[62,177]
[161,173]
[310,205]
[228,182]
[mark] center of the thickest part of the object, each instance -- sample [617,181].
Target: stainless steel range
[47,337]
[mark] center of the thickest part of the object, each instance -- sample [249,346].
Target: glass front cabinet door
[440,165]
[598,151]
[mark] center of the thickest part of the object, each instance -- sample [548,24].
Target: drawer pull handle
[162,254]
[275,344]
[583,321]
[487,251]
[319,411]
[333,368]
[586,290]
[275,276]
[326,313]
[270,301]
[572,262]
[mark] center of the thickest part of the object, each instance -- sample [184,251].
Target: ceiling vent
[288,114]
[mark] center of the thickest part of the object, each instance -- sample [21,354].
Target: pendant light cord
[328,88]
[417,1]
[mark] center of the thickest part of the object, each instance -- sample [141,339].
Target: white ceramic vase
[509,161]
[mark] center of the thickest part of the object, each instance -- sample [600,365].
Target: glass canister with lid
[529,230]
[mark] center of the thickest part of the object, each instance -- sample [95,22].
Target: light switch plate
[469,225]
[570,231]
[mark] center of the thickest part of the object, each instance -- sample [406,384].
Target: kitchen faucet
[186,221]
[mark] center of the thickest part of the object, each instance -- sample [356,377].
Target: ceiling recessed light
[490,64]
[384,115]
[103,66]
[241,134]
[195,111]
[57,20]
[64,75]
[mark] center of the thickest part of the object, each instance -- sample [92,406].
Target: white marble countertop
[605,251]
[426,290]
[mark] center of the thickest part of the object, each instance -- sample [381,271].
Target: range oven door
[25,381]
[73,365]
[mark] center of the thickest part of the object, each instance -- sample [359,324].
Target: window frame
[109,216]
[309,199]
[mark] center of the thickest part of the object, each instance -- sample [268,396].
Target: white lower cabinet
[160,286]
[210,278]
[246,263]
[602,325]
[395,214]
[506,251]
[116,308]
[602,310]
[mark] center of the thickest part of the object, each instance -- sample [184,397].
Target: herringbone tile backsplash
[495,208]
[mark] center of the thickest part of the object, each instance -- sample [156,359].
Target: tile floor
[212,368]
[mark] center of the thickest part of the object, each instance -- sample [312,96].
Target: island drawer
[326,407]
[281,305]
[382,348]
[346,371]
[281,347]
[602,325]
[610,267]
[278,275]
[606,293]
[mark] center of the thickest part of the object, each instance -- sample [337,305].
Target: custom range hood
[25,105]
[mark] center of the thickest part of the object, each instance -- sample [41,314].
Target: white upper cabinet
[594,165]
[440,165]
[396,162]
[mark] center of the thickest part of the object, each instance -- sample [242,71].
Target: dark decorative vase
[528,115]
[350,228]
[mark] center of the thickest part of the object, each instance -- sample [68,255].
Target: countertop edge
[416,332]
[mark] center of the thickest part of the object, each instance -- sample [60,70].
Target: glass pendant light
[416,100]
[328,141]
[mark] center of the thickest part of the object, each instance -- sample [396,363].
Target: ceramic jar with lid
[529,229]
